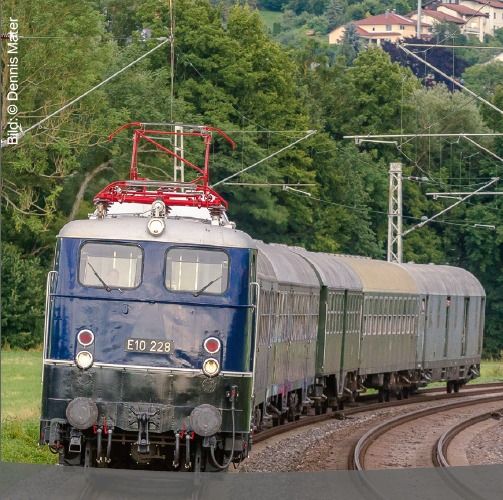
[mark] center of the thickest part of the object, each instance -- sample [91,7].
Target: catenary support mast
[395,213]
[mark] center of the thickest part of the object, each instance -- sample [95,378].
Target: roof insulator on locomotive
[216,215]
[101,210]
[158,209]
[156,224]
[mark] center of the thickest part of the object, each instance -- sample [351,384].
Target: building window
[388,27]
[373,28]
[402,27]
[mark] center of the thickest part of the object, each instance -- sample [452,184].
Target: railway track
[365,403]
[440,451]
[357,459]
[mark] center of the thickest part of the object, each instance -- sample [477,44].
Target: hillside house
[389,26]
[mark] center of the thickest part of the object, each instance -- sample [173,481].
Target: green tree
[22,291]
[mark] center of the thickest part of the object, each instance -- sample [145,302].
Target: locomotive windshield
[197,270]
[107,265]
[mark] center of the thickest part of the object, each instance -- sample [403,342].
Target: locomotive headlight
[84,359]
[211,367]
[155,226]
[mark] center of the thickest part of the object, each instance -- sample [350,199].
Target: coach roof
[288,266]
[381,276]
[444,280]
[334,272]
[183,231]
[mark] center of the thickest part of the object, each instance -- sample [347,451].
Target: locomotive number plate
[149,345]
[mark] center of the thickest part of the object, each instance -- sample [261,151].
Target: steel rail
[357,458]
[440,450]
[420,397]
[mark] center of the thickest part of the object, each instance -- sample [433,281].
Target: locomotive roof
[281,263]
[444,280]
[178,230]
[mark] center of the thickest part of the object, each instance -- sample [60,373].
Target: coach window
[197,270]
[110,266]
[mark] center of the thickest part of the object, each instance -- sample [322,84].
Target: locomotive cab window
[108,265]
[197,270]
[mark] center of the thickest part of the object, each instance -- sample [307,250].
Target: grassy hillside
[270,17]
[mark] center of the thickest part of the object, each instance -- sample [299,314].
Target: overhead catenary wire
[267,184]
[22,133]
[475,143]
[453,80]
[309,134]
[452,35]
[366,210]
[450,207]
[435,45]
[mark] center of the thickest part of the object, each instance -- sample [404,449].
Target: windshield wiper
[107,288]
[199,292]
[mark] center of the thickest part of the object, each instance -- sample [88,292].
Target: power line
[266,184]
[367,210]
[309,134]
[22,133]
[450,207]
[359,138]
[435,45]
[454,81]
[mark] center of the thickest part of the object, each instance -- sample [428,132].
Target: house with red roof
[493,9]
[472,17]
[389,26]
[476,22]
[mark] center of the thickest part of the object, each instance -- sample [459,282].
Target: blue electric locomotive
[149,332]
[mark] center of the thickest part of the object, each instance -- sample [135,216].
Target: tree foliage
[230,74]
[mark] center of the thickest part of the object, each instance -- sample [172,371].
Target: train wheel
[405,392]
[198,458]
[449,387]
[275,421]
[317,409]
[324,407]
[399,394]
[340,404]
[380,396]
[455,386]
[89,455]
[387,395]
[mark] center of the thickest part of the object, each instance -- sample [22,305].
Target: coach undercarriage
[325,392]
